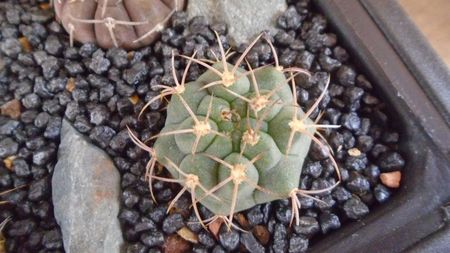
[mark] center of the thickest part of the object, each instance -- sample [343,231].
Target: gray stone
[245,18]
[86,190]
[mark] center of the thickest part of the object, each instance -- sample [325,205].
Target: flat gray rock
[245,19]
[85,191]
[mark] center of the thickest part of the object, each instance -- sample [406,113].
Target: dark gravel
[103,101]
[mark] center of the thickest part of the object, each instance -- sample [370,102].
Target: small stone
[206,239]
[341,194]
[94,203]
[319,152]
[391,161]
[99,63]
[329,64]
[229,239]
[28,117]
[351,121]
[53,128]
[288,57]
[39,189]
[42,209]
[99,115]
[74,68]
[11,47]
[340,54]
[136,74]
[106,92]
[251,244]
[8,147]
[298,244]
[50,67]
[346,75]
[328,222]
[283,38]
[144,224]
[172,223]
[304,60]
[87,49]
[82,124]
[52,240]
[11,109]
[391,179]
[354,152]
[280,243]
[128,216]
[290,19]
[357,183]
[381,193]
[255,216]
[313,169]
[53,46]
[21,168]
[31,101]
[355,208]
[102,135]
[136,248]
[362,82]
[152,239]
[130,198]
[8,127]
[365,143]
[158,214]
[352,94]
[283,214]
[21,227]
[308,226]
[118,57]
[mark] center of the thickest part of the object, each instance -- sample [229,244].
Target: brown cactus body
[128,24]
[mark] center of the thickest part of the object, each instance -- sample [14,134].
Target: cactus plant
[235,138]
[115,23]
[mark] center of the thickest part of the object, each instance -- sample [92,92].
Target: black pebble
[8,147]
[229,239]
[280,243]
[391,161]
[355,208]
[21,168]
[251,243]
[206,239]
[102,135]
[53,46]
[381,193]
[172,223]
[136,74]
[21,227]
[328,222]
[298,244]
[39,189]
[152,239]
[52,239]
[128,216]
[308,226]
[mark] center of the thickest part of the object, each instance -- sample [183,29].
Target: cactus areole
[115,23]
[235,138]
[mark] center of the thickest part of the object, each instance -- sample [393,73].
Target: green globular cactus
[235,138]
